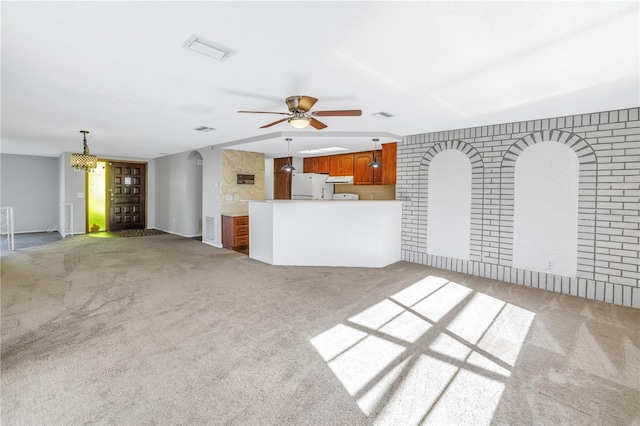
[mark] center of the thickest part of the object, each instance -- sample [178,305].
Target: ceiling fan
[299,115]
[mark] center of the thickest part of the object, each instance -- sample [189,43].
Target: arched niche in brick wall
[587,196]
[545,225]
[449,201]
[477,165]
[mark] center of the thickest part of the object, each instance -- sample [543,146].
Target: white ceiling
[118,69]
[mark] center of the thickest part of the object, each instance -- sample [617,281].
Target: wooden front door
[127,195]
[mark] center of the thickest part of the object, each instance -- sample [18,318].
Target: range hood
[340,179]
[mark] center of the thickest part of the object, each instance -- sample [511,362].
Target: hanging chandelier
[85,161]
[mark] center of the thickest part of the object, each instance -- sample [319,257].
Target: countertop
[404,200]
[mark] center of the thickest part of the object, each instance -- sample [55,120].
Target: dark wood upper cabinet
[389,155]
[362,173]
[377,171]
[341,165]
[316,164]
[281,180]
[356,165]
[308,164]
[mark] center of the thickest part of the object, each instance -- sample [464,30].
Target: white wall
[298,163]
[546,209]
[268,178]
[449,214]
[211,207]
[194,194]
[29,185]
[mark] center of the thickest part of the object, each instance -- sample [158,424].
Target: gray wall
[72,191]
[607,146]
[186,192]
[38,187]
[178,197]
[30,186]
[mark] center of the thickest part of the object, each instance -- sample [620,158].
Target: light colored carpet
[136,233]
[167,330]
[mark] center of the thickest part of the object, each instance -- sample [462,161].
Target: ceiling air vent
[382,115]
[209,48]
[204,129]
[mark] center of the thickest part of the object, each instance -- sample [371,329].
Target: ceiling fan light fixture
[300,115]
[299,122]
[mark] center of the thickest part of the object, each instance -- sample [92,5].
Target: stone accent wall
[241,162]
[607,145]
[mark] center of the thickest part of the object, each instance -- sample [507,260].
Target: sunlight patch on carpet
[435,352]
[101,234]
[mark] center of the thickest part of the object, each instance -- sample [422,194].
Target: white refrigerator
[310,186]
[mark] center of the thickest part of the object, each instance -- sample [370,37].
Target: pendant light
[85,161]
[288,167]
[375,162]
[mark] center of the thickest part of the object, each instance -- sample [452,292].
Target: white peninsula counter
[359,233]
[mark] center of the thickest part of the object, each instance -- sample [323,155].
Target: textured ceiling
[118,69]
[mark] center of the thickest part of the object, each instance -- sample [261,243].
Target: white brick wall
[607,145]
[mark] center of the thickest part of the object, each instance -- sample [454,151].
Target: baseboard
[177,233]
[33,232]
[212,244]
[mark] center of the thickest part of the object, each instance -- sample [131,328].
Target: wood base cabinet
[235,232]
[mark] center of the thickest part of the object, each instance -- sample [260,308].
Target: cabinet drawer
[241,241]
[241,220]
[242,230]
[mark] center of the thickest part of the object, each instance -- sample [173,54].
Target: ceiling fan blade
[275,122]
[266,112]
[317,124]
[338,113]
[306,103]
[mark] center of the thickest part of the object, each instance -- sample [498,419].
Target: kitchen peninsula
[325,233]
